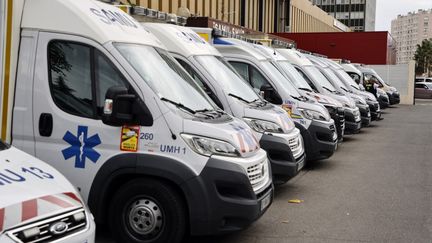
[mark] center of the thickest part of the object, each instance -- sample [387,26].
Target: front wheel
[147,211]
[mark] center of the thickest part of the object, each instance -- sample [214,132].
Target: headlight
[208,146]
[262,126]
[359,101]
[313,115]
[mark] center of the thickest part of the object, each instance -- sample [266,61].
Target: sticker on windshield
[81,147]
[129,138]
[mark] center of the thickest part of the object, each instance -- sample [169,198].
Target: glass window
[76,70]
[227,77]
[71,78]
[242,69]
[295,76]
[107,76]
[165,76]
[319,78]
[194,74]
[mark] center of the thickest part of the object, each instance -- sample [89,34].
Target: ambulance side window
[200,82]
[307,79]
[79,77]
[71,78]
[250,74]
[242,69]
[106,76]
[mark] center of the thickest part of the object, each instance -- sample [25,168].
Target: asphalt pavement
[376,188]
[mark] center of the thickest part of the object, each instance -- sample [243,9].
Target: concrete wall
[400,76]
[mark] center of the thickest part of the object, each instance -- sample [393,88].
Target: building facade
[359,15]
[410,30]
[266,16]
[374,47]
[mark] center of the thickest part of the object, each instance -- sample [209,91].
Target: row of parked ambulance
[152,130]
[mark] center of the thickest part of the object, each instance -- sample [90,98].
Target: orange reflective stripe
[7,69]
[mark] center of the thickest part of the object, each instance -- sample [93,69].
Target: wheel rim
[145,217]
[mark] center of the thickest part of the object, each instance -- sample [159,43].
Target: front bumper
[375,110]
[223,199]
[320,139]
[394,98]
[285,153]
[86,235]
[352,121]
[365,115]
[383,101]
[337,114]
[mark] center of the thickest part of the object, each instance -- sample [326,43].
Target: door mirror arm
[123,108]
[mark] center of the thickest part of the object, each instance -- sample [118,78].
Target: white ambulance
[312,119]
[38,204]
[275,131]
[88,90]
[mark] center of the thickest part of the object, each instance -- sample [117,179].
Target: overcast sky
[389,9]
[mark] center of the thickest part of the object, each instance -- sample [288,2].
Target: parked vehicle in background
[423,90]
[312,119]
[423,79]
[273,127]
[38,204]
[357,76]
[333,106]
[370,75]
[99,98]
[320,83]
[360,102]
[354,88]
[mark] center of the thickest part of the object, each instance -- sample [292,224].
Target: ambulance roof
[270,52]
[88,18]
[295,57]
[181,40]
[238,47]
[348,67]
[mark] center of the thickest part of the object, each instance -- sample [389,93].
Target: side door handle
[45,124]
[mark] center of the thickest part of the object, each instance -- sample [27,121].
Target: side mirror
[270,94]
[122,108]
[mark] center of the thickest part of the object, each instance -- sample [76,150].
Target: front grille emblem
[58,228]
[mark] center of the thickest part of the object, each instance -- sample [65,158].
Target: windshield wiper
[296,98]
[329,90]
[240,98]
[179,105]
[344,89]
[354,87]
[305,89]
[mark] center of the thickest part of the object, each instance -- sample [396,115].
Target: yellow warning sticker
[129,138]
[287,108]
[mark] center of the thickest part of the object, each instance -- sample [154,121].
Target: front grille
[365,112]
[43,231]
[256,173]
[332,127]
[293,143]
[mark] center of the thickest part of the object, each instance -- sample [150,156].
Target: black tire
[134,199]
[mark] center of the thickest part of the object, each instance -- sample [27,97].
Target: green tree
[423,57]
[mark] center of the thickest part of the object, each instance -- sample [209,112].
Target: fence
[401,76]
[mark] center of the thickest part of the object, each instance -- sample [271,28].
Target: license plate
[300,165]
[265,202]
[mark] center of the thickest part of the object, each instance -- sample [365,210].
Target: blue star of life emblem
[81,147]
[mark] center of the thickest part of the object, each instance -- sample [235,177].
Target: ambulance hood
[31,189]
